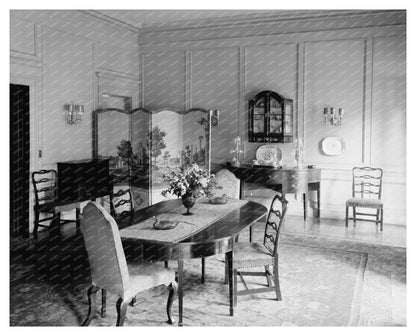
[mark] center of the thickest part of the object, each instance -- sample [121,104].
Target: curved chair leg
[92,291]
[346,216]
[121,311]
[276,280]
[173,290]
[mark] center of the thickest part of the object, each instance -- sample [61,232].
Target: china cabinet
[270,118]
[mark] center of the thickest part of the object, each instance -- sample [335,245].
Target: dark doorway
[19,160]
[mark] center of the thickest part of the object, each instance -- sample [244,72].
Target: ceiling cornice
[111,20]
[243,20]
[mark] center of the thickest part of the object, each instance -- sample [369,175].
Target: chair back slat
[367,182]
[104,248]
[44,185]
[274,222]
[121,203]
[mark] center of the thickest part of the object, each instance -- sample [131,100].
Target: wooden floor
[392,235]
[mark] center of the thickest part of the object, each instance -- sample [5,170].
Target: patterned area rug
[321,286]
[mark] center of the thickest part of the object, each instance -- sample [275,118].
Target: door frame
[16,77]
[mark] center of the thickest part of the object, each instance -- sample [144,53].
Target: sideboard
[284,180]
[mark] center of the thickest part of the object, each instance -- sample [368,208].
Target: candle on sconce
[325,111]
[341,112]
[332,110]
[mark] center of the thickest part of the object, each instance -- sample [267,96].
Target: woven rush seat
[247,255]
[365,202]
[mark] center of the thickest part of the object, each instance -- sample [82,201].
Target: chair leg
[77,218]
[276,279]
[346,216]
[354,215]
[268,275]
[36,224]
[92,291]
[381,219]
[173,290]
[203,270]
[121,311]
[226,272]
[103,302]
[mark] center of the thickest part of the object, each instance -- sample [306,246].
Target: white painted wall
[356,62]
[63,54]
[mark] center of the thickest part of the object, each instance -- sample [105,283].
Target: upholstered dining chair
[121,202]
[366,193]
[249,256]
[45,188]
[109,268]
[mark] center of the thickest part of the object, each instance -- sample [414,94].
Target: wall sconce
[73,113]
[332,119]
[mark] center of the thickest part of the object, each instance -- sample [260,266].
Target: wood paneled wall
[356,63]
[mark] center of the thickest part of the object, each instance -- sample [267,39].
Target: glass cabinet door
[288,124]
[270,118]
[259,113]
[275,116]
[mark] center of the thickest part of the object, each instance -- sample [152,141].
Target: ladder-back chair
[46,190]
[249,255]
[121,203]
[366,193]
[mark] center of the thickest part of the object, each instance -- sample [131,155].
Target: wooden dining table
[211,230]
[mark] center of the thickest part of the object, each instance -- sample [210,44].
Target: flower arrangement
[192,181]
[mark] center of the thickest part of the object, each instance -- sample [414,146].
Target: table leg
[78,219]
[229,257]
[55,226]
[318,196]
[250,237]
[203,270]
[305,204]
[180,291]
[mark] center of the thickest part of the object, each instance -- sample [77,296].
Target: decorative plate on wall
[333,146]
[268,154]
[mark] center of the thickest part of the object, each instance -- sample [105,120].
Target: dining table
[211,230]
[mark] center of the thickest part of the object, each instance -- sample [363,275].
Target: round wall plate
[333,146]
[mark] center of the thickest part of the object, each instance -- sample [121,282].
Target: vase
[188,201]
[298,153]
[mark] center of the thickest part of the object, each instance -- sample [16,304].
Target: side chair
[109,268]
[250,256]
[45,188]
[366,193]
